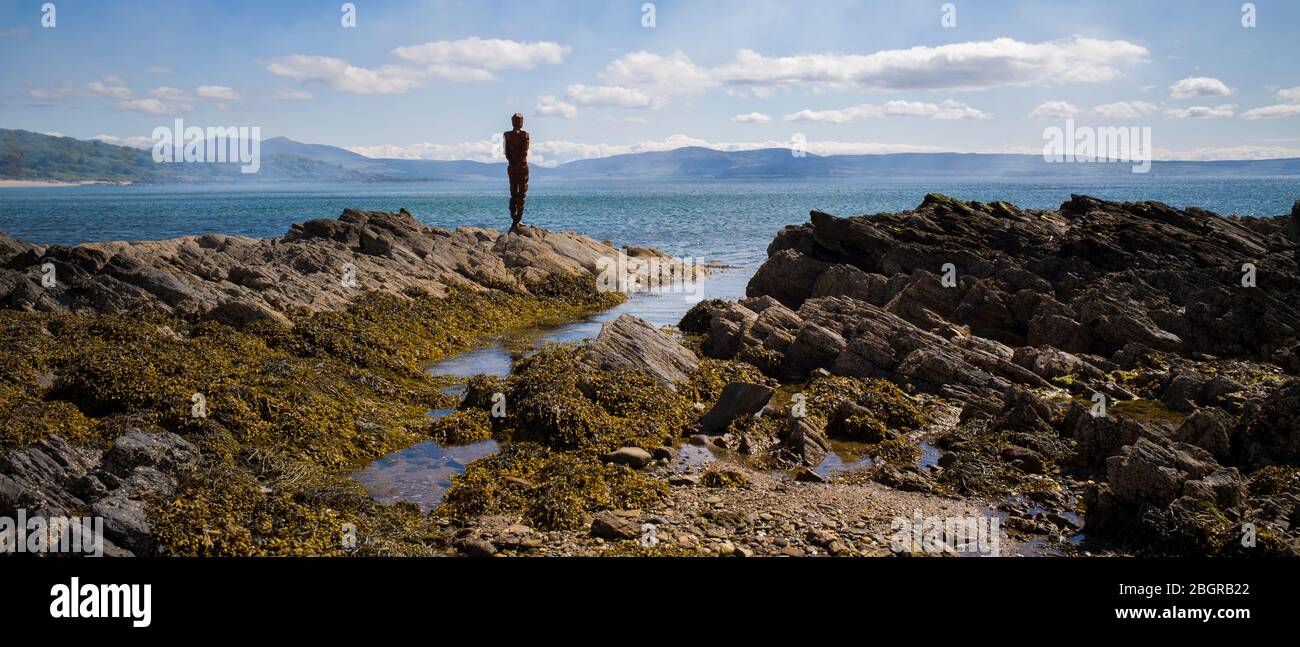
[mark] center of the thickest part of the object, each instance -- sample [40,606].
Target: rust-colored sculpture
[516,145]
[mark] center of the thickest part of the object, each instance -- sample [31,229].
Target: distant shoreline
[33,184]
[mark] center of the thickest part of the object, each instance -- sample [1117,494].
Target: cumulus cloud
[976,65]
[752,118]
[1280,110]
[467,59]
[202,93]
[1199,86]
[1272,112]
[221,92]
[154,107]
[476,58]
[1053,110]
[947,110]
[338,74]
[549,106]
[674,74]
[961,66]
[611,96]
[1202,112]
[1125,109]
[111,86]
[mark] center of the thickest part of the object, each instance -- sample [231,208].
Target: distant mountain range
[34,156]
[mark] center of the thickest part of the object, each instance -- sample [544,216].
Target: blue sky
[437,79]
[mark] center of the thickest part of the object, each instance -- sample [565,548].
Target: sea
[729,222]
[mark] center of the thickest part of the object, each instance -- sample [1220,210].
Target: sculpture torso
[516,148]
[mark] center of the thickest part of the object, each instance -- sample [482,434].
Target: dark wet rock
[629,343]
[135,449]
[666,454]
[1208,429]
[1100,437]
[1028,460]
[737,399]
[476,547]
[907,480]
[40,478]
[1270,432]
[126,522]
[54,478]
[611,526]
[807,443]
[788,276]
[1090,278]
[1148,473]
[807,475]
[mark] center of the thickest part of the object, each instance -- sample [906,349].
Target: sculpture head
[517,121]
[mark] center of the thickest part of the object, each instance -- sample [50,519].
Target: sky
[437,79]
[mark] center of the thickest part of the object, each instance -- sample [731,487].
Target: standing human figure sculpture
[516,149]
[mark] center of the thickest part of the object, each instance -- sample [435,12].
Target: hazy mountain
[28,155]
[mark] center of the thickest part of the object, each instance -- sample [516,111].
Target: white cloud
[549,106]
[467,59]
[217,92]
[202,93]
[166,93]
[110,86]
[1202,112]
[959,66]
[1289,94]
[1199,86]
[1053,110]
[947,110]
[752,118]
[338,74]
[290,94]
[674,74]
[1272,112]
[611,96]
[1125,110]
[154,107]
[474,58]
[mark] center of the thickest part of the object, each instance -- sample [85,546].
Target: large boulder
[737,399]
[629,343]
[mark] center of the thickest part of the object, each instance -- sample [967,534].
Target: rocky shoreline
[1104,378]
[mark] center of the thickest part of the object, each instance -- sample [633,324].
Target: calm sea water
[729,221]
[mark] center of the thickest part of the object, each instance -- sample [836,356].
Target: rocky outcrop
[55,479]
[629,343]
[737,399]
[1179,320]
[974,284]
[317,265]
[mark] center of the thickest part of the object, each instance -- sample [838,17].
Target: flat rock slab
[629,343]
